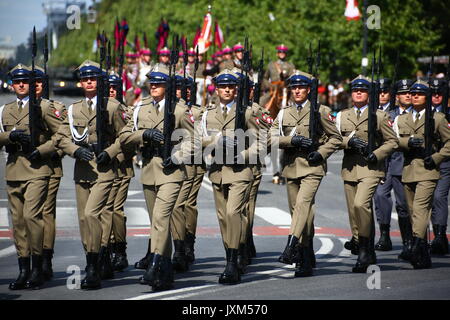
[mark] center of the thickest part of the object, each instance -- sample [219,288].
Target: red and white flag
[351,10]
[218,36]
[204,41]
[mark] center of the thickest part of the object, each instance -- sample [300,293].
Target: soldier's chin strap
[75,135]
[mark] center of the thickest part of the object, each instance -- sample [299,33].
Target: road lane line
[165,293]
[343,254]
[326,246]
[274,216]
[4,222]
[7,251]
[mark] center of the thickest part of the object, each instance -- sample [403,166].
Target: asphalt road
[266,279]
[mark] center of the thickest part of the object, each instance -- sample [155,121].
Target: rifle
[257,93]
[185,61]
[46,84]
[314,115]
[309,60]
[102,101]
[429,120]
[119,95]
[393,91]
[194,83]
[170,104]
[446,93]
[242,95]
[373,105]
[33,103]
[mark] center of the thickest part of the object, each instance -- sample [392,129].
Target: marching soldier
[362,172]
[27,175]
[94,178]
[393,181]
[162,181]
[303,167]
[439,214]
[119,190]
[49,214]
[164,56]
[421,171]
[226,63]
[231,182]
[238,50]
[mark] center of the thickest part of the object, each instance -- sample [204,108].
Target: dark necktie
[358,113]
[157,108]
[299,110]
[90,106]
[417,117]
[20,106]
[225,112]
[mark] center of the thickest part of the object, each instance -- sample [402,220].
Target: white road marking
[7,251]
[343,254]
[4,222]
[165,293]
[132,193]
[326,246]
[274,216]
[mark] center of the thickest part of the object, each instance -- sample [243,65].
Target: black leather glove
[357,143]
[153,135]
[301,142]
[83,154]
[429,163]
[415,142]
[168,163]
[314,158]
[103,158]
[35,155]
[372,158]
[20,136]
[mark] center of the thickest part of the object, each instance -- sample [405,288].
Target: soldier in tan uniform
[421,171]
[49,214]
[119,191]
[94,178]
[28,170]
[225,64]
[304,165]
[362,172]
[231,182]
[162,179]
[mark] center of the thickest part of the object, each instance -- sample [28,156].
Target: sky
[17,18]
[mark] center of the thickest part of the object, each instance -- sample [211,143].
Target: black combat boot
[24,273]
[144,262]
[231,273]
[288,253]
[242,260]
[179,260]
[105,265]
[439,245]
[113,248]
[407,239]
[352,245]
[149,275]
[47,270]
[385,243]
[189,242]
[36,279]
[92,279]
[251,250]
[163,277]
[420,255]
[311,253]
[304,268]
[120,261]
[366,256]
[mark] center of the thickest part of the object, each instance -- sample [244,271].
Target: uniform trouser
[252,202]
[166,197]
[190,209]
[49,213]
[301,197]
[359,196]
[383,199]
[107,214]
[26,204]
[419,196]
[119,227]
[150,199]
[231,200]
[439,213]
[91,200]
[178,218]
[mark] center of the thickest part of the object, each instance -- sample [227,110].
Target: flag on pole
[162,33]
[204,41]
[117,35]
[218,36]
[196,37]
[351,10]
[137,44]
[124,31]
